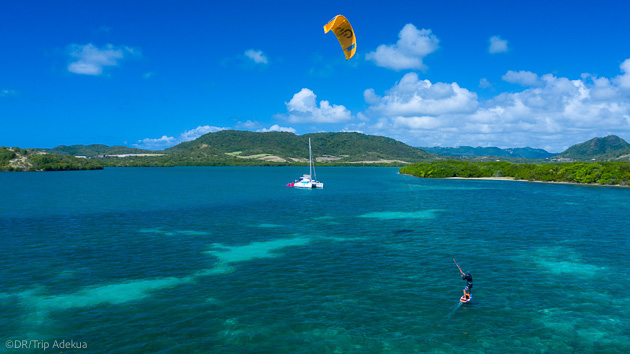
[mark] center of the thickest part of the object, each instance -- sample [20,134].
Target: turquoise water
[229,260]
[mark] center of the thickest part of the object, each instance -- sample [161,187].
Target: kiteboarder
[469,283]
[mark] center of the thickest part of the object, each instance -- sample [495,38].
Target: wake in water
[459,304]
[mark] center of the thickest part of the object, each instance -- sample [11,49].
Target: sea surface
[229,260]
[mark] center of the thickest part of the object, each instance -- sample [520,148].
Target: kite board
[463,299]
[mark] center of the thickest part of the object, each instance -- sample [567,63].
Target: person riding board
[469,282]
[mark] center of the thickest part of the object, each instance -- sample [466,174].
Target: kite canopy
[342,29]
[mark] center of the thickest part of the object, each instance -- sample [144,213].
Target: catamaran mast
[310,160]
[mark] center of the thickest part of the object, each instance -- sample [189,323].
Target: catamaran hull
[308,185]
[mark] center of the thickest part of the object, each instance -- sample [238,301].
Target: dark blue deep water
[229,260]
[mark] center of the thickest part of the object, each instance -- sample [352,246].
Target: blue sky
[152,74]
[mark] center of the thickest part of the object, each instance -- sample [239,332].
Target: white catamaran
[307,181]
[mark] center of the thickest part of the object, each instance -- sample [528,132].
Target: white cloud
[7,93]
[199,131]
[351,130]
[277,128]
[169,141]
[89,60]
[371,97]
[552,112]
[484,83]
[417,123]
[257,56]
[156,144]
[624,80]
[248,124]
[523,78]
[412,46]
[411,97]
[498,45]
[303,108]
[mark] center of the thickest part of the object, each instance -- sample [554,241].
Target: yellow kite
[342,29]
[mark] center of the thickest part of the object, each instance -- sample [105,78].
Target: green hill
[288,147]
[469,151]
[95,150]
[16,159]
[610,148]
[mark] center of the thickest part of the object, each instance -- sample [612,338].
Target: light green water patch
[254,250]
[67,274]
[419,187]
[159,231]
[218,269]
[213,301]
[268,225]
[587,330]
[568,267]
[563,261]
[325,217]
[396,215]
[40,306]
[340,239]
[104,294]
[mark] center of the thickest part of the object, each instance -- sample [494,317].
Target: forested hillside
[469,151]
[609,148]
[610,173]
[288,147]
[95,150]
[16,159]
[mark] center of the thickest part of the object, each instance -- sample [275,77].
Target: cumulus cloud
[257,56]
[412,97]
[90,60]
[498,45]
[412,46]
[624,80]
[303,108]
[551,112]
[484,83]
[523,78]
[371,97]
[277,128]
[156,144]
[169,141]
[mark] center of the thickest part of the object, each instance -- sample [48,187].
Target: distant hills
[610,148]
[95,150]
[245,148]
[469,151]
[236,148]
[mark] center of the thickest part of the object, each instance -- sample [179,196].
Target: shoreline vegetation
[597,161]
[593,173]
[33,160]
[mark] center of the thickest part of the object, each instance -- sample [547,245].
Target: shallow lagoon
[229,260]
